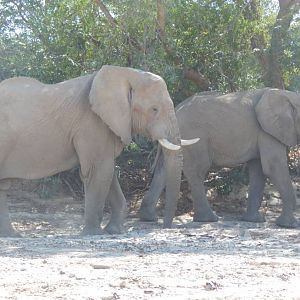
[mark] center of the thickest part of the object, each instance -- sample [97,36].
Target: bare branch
[106,12]
[199,79]
[286,4]
[19,8]
[161,17]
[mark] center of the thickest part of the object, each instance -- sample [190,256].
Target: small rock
[284,277]
[211,285]
[100,267]
[121,284]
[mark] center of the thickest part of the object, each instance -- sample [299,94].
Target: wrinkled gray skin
[86,121]
[252,127]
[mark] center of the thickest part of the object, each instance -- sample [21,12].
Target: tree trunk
[270,58]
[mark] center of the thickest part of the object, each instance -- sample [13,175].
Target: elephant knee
[274,166]
[268,169]
[5,184]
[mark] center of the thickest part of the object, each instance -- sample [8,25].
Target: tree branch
[107,14]
[131,40]
[188,73]
[286,4]
[270,58]
[19,8]
[283,21]
[196,77]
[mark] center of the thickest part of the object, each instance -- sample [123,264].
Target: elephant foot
[167,224]
[256,217]
[6,229]
[147,215]
[10,233]
[287,221]
[206,217]
[113,228]
[91,231]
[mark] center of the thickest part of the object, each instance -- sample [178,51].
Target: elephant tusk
[189,142]
[165,143]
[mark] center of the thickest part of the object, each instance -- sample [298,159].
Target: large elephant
[253,127]
[46,129]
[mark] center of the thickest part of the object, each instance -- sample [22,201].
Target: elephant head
[136,102]
[278,112]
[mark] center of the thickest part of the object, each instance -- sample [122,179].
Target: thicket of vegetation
[195,45]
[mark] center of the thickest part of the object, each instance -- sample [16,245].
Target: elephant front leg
[117,203]
[281,179]
[275,166]
[257,181]
[97,184]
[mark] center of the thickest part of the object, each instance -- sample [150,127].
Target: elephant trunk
[173,164]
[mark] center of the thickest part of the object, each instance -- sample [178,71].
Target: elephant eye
[130,94]
[155,109]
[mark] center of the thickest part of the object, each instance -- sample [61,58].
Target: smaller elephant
[253,127]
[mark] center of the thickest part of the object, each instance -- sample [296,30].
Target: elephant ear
[275,115]
[109,99]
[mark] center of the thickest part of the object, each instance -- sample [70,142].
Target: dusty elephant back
[224,123]
[37,121]
[20,96]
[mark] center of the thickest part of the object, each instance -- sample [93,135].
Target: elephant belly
[36,158]
[233,158]
[233,138]
[233,148]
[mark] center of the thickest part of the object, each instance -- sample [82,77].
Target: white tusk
[189,142]
[165,143]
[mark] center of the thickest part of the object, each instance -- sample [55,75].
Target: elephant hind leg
[97,184]
[96,148]
[257,181]
[6,229]
[117,202]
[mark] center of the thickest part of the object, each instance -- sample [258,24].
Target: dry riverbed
[225,260]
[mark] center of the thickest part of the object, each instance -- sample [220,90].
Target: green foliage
[291,59]
[141,144]
[224,180]
[59,39]
[53,40]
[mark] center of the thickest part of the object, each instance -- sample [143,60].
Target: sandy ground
[224,260]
